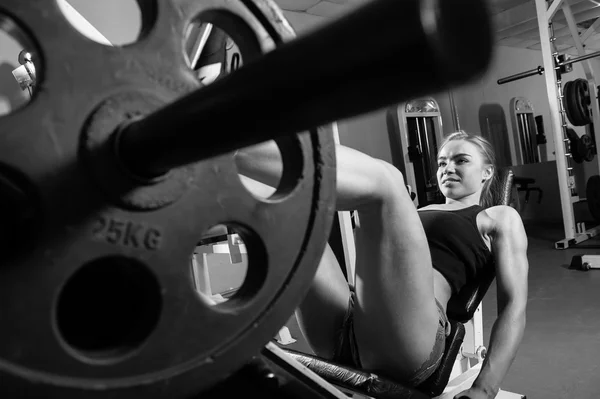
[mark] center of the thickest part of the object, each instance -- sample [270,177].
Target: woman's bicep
[512,266]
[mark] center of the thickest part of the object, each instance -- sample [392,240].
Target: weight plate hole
[261,186]
[210,52]
[220,264]
[108,308]
[217,43]
[110,22]
[20,66]
[285,165]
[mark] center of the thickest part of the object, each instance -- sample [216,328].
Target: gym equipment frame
[523,143]
[552,61]
[409,127]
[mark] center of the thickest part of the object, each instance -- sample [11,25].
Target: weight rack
[568,190]
[553,61]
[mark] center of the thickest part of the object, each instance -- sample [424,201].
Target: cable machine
[417,131]
[523,123]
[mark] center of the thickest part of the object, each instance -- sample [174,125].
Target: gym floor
[559,357]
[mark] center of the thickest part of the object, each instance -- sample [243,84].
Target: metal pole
[579,59]
[540,70]
[520,128]
[521,75]
[530,149]
[555,118]
[455,119]
[526,137]
[199,43]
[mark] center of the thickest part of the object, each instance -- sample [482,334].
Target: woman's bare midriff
[441,289]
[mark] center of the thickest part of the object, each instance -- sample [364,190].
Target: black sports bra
[457,249]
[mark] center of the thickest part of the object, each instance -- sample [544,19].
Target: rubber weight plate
[592,193]
[587,142]
[584,101]
[575,146]
[578,103]
[571,103]
[567,96]
[101,302]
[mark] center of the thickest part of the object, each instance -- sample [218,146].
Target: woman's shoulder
[445,207]
[502,211]
[502,217]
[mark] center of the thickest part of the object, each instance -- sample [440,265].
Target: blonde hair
[489,158]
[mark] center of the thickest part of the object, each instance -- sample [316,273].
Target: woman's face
[462,170]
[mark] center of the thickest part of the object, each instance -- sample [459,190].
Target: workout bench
[523,183]
[462,308]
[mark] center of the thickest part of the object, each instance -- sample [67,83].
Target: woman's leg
[321,313]
[395,315]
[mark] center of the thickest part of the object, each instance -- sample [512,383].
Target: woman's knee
[391,182]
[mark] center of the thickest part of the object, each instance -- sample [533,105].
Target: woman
[408,264]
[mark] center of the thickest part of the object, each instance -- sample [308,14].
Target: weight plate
[592,193]
[59,338]
[584,101]
[575,146]
[567,101]
[581,150]
[574,104]
[586,140]
[589,154]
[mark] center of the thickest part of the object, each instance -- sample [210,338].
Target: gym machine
[525,149]
[123,160]
[568,102]
[415,129]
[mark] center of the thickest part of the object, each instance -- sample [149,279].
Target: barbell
[123,159]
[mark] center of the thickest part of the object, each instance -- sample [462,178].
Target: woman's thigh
[396,317]
[321,313]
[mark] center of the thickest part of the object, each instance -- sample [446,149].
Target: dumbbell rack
[574,233]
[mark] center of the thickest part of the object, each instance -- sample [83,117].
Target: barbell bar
[385,52]
[540,70]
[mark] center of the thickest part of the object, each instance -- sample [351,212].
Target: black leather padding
[436,383]
[355,380]
[502,187]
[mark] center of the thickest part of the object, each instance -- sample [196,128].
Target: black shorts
[346,351]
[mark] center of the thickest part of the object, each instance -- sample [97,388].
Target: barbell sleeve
[522,75]
[386,52]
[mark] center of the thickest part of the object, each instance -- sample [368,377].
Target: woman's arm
[509,244]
